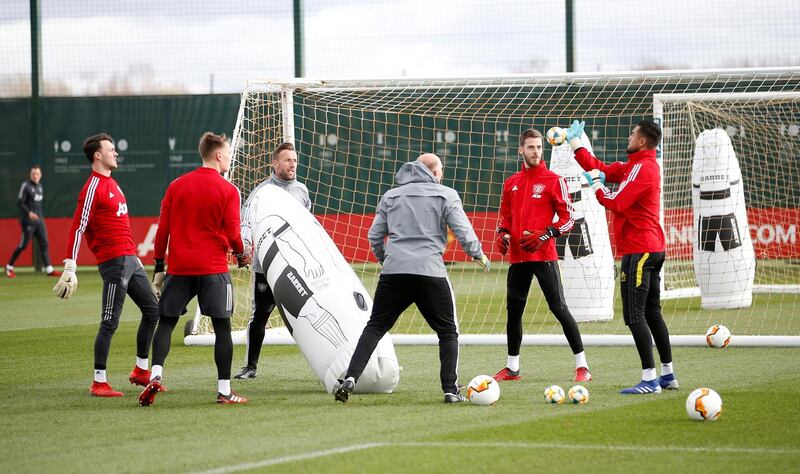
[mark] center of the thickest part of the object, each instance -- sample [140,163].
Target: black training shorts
[214,294]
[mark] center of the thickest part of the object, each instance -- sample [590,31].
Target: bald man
[415,215]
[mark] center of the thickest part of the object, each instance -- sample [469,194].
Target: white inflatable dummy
[586,260]
[321,300]
[724,261]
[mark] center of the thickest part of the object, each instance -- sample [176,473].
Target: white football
[704,404]
[483,390]
[718,336]
[554,394]
[556,136]
[578,394]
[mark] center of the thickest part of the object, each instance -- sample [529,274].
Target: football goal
[731,202]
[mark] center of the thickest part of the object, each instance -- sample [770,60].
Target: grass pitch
[51,424]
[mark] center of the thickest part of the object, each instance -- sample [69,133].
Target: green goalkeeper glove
[574,134]
[596,178]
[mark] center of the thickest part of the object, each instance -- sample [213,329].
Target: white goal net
[353,135]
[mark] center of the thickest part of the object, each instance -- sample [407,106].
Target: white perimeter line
[513,445]
[291,458]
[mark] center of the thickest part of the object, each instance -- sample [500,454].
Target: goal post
[353,135]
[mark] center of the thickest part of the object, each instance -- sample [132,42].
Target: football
[483,390]
[578,394]
[704,404]
[718,336]
[554,394]
[556,136]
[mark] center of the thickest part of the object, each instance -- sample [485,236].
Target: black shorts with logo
[214,295]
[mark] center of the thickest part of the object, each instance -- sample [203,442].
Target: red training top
[531,199]
[200,219]
[636,204]
[101,215]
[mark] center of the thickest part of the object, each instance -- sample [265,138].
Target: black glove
[243,260]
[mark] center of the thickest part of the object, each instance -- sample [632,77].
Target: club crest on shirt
[538,189]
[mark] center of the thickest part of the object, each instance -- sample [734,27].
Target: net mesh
[352,136]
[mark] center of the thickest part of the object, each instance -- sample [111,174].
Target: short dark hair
[529,133]
[209,143]
[35,167]
[92,144]
[281,147]
[651,131]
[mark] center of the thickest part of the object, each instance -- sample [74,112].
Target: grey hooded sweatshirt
[415,215]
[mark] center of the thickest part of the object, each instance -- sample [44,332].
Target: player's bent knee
[109,327]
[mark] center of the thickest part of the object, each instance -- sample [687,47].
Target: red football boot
[10,272]
[149,393]
[139,377]
[103,389]
[582,374]
[230,399]
[507,374]
[142,377]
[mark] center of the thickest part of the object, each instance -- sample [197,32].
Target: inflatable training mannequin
[724,260]
[321,300]
[586,260]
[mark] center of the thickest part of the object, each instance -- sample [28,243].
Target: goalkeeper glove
[574,133]
[596,178]
[243,260]
[501,240]
[68,282]
[531,242]
[483,261]
[159,275]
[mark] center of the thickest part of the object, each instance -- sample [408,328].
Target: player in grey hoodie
[415,216]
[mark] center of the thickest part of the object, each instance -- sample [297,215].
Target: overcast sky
[188,45]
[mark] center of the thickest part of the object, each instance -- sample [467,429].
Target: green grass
[50,423]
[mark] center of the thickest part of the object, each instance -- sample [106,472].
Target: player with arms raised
[636,206]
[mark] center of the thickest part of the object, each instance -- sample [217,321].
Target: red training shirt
[636,204]
[102,216]
[200,219]
[531,199]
